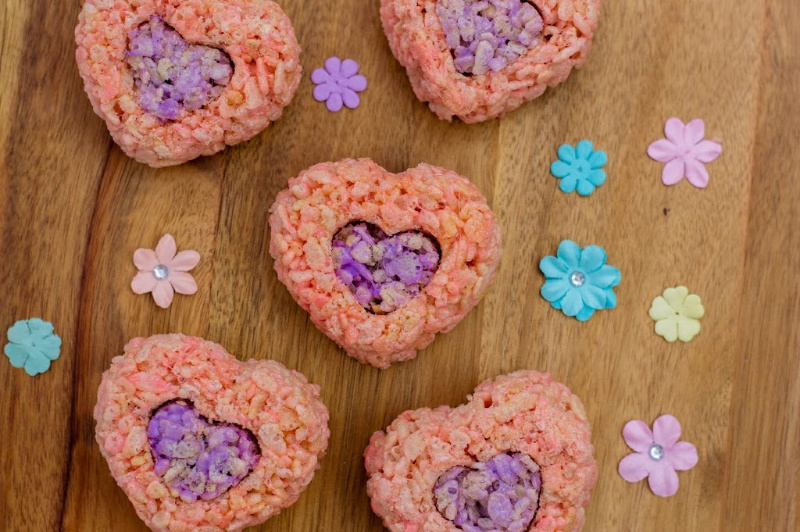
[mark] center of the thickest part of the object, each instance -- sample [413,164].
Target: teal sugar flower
[579,281]
[579,168]
[32,345]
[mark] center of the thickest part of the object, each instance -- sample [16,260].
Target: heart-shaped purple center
[500,495]
[172,74]
[486,35]
[196,458]
[384,272]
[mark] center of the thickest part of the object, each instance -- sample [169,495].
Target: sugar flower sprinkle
[32,345]
[338,83]
[658,454]
[579,168]
[677,314]
[578,281]
[685,152]
[164,271]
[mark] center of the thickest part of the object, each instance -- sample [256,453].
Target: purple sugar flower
[338,83]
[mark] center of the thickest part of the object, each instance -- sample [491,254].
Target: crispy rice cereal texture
[277,405]
[418,41]
[525,412]
[256,34]
[439,202]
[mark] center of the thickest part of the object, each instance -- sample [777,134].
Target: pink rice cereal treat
[516,457]
[382,262]
[478,59]
[177,79]
[199,441]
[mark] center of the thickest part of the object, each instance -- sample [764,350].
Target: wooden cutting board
[75,208]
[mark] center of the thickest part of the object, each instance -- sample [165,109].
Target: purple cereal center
[486,35]
[198,459]
[172,74]
[383,272]
[501,495]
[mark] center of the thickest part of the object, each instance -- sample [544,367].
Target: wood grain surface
[75,208]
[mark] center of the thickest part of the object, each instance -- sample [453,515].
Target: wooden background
[74,209]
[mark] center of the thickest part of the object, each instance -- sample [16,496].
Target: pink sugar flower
[658,454]
[164,271]
[685,152]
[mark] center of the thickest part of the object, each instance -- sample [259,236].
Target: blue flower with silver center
[579,281]
[32,345]
[579,168]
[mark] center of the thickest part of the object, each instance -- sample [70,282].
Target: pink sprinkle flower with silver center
[164,271]
[338,83]
[685,152]
[658,454]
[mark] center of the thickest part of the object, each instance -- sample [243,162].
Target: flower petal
[40,328]
[184,261]
[566,153]
[592,258]
[598,159]
[348,68]
[320,76]
[17,355]
[593,296]
[334,103]
[145,259]
[572,303]
[673,172]
[357,83]
[694,131]
[663,479]
[183,282]
[585,187]
[560,169]
[667,329]
[333,65]
[674,130]
[596,177]
[585,313]
[166,249]
[163,294]
[322,92]
[568,184]
[660,309]
[707,151]
[350,98]
[584,150]
[143,283]
[637,435]
[662,150]
[611,298]
[19,333]
[666,431]
[687,328]
[569,252]
[555,289]
[696,173]
[692,307]
[553,267]
[676,296]
[682,456]
[49,347]
[605,277]
[36,364]
[634,467]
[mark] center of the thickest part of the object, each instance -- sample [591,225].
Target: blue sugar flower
[579,281]
[579,168]
[32,345]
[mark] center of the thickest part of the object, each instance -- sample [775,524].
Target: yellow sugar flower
[677,314]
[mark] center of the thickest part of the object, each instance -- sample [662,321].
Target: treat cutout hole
[384,272]
[486,35]
[500,495]
[171,74]
[196,458]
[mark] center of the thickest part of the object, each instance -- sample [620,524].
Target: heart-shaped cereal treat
[200,441]
[478,59]
[381,261]
[177,79]
[517,457]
